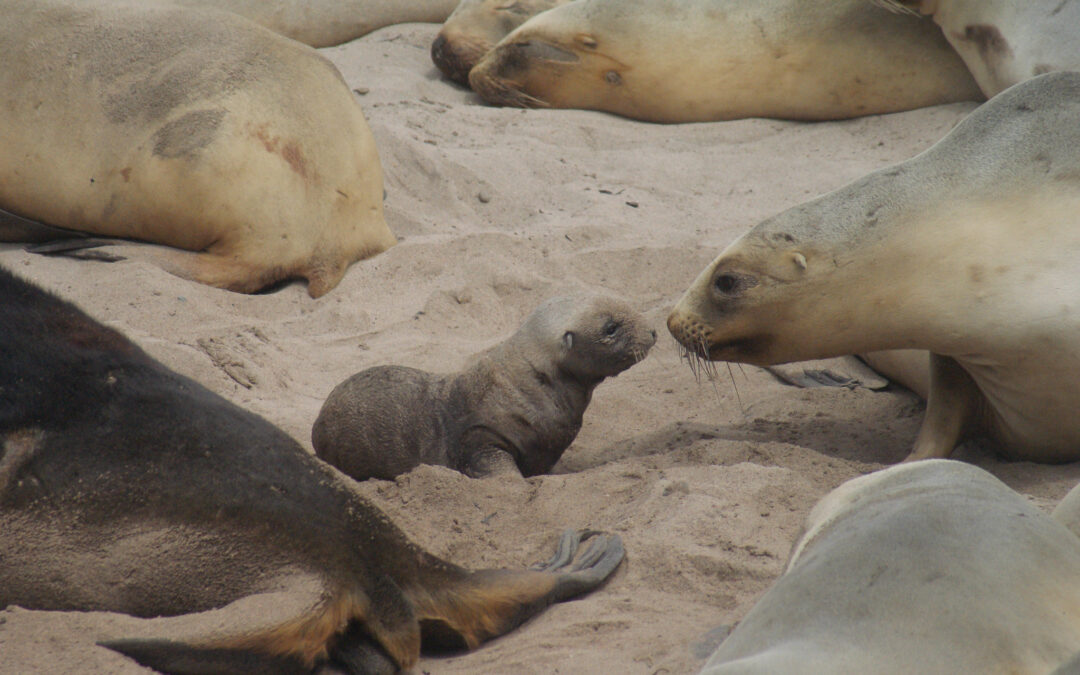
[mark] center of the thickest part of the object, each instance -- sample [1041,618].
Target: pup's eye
[611,327]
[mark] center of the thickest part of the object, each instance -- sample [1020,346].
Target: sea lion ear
[799,259]
[568,339]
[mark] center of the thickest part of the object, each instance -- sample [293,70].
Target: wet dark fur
[99,443]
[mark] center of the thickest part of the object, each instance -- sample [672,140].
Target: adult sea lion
[475,27]
[967,250]
[933,568]
[192,128]
[125,487]
[323,23]
[514,409]
[703,60]
[1004,42]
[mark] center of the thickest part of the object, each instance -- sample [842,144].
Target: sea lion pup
[514,409]
[933,568]
[125,487]
[705,60]
[324,23]
[475,27]
[1004,42]
[192,128]
[967,250]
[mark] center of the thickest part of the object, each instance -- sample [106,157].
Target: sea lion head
[475,27]
[556,59]
[592,337]
[757,301]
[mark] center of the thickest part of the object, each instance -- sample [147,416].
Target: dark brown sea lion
[514,409]
[125,487]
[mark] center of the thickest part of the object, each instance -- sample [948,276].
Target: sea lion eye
[611,327]
[726,283]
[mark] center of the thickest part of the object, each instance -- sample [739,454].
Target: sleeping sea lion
[934,568]
[704,60]
[475,27]
[323,23]
[192,128]
[968,250]
[125,487]
[514,409]
[1004,42]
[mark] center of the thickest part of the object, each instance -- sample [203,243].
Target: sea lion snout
[690,331]
[510,74]
[456,56]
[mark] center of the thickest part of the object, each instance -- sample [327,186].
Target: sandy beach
[497,209]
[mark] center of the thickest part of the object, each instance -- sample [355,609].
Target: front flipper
[951,410]
[488,603]
[490,461]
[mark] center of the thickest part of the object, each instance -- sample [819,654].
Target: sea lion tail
[489,603]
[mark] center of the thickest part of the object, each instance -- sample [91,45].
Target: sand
[498,209]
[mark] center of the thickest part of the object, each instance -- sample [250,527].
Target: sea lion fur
[514,409]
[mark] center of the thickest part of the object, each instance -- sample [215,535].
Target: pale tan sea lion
[125,487]
[475,27]
[1004,42]
[191,128]
[514,409]
[934,568]
[703,60]
[968,250]
[322,23]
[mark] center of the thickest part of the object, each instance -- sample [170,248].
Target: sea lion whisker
[691,360]
[735,387]
[499,91]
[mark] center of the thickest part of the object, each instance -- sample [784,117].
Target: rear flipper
[178,658]
[82,248]
[489,461]
[247,274]
[846,371]
[489,603]
[16,228]
[582,573]
[307,626]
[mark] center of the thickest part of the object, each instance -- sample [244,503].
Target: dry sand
[497,209]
